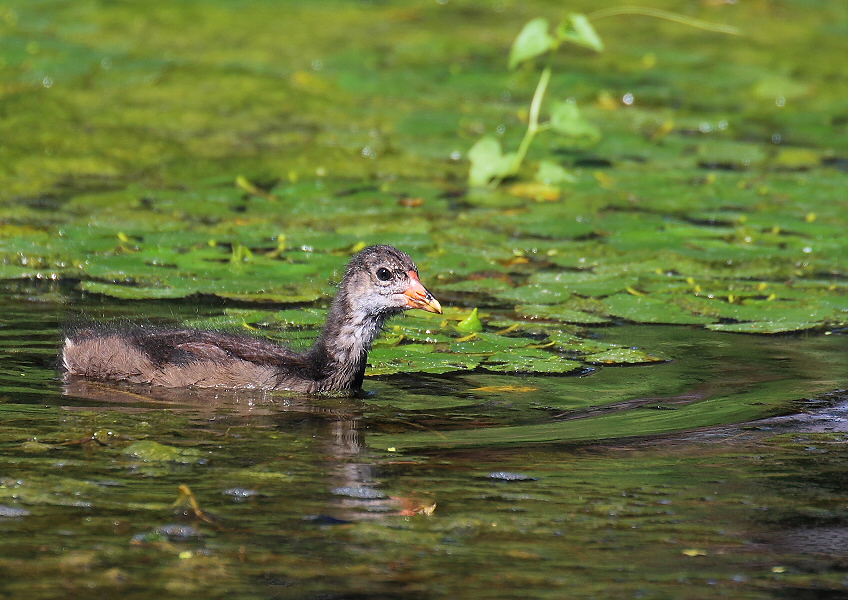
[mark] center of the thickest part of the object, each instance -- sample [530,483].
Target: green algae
[236,154]
[150,451]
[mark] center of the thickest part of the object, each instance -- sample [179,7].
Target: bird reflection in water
[352,480]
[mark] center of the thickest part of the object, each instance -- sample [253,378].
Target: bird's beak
[417,295]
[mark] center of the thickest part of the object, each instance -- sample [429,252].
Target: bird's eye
[383,274]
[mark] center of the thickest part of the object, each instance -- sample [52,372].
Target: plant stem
[532,123]
[662,14]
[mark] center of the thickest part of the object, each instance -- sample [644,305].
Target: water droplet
[627,98]
[780,101]
[47,82]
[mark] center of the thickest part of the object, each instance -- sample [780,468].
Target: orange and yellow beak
[417,296]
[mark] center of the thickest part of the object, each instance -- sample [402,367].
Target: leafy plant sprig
[489,164]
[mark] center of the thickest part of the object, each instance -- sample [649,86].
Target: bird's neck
[341,350]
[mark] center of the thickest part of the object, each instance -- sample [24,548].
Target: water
[149,146]
[646,481]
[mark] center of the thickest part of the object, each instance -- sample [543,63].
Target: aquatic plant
[489,164]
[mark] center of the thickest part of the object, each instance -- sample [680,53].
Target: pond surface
[478,485]
[596,415]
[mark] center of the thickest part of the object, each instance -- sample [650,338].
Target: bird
[379,282]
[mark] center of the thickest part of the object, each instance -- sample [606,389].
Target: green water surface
[539,486]
[651,404]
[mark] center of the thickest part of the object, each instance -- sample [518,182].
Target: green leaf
[551,173]
[126,292]
[488,285]
[241,254]
[764,327]
[534,40]
[620,356]
[578,30]
[534,293]
[797,159]
[470,324]
[553,220]
[571,343]
[488,162]
[587,283]
[418,332]
[300,317]
[567,120]
[730,154]
[647,309]
[534,360]
[417,358]
[558,313]
[487,344]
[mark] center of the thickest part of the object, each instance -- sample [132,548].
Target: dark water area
[717,474]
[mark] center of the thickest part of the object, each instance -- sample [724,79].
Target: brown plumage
[380,281]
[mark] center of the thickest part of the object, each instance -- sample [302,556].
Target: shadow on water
[718,473]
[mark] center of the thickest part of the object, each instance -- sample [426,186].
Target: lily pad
[534,293]
[530,360]
[587,283]
[487,285]
[648,309]
[417,358]
[559,313]
[764,326]
[487,343]
[426,333]
[621,356]
[730,154]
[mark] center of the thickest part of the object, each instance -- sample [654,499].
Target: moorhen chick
[379,282]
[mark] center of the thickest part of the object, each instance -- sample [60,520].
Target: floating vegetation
[681,215]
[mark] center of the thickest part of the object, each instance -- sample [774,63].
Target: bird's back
[184,358]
